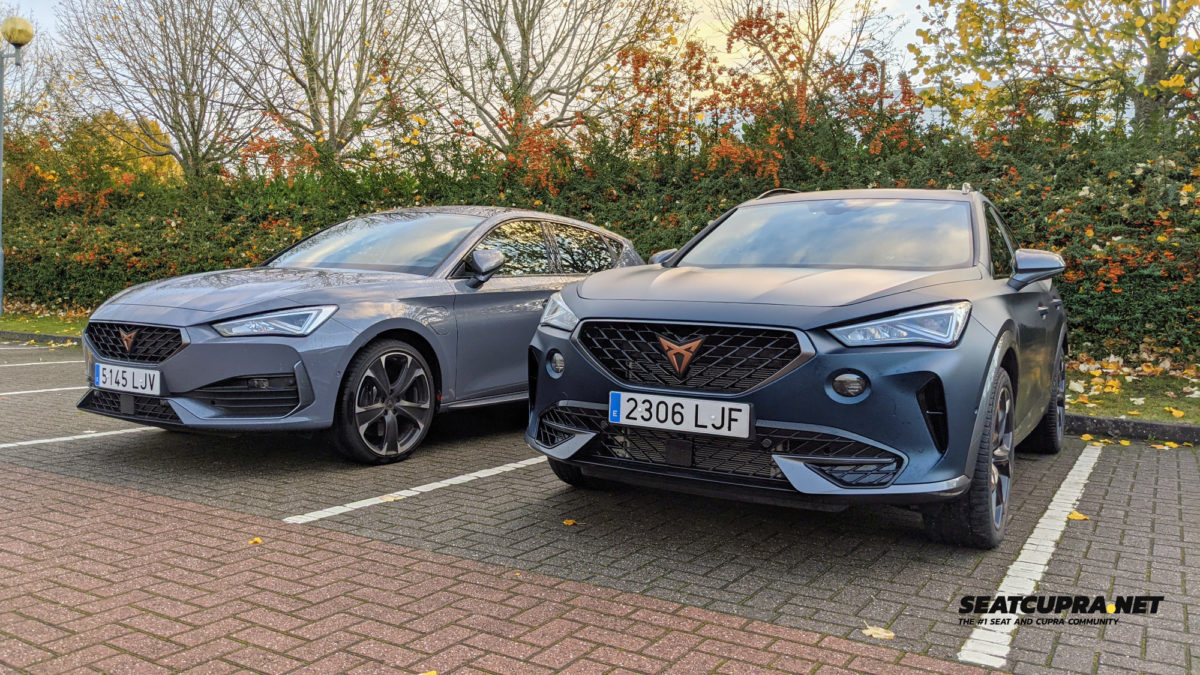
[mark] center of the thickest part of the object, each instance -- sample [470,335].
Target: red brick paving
[115,580]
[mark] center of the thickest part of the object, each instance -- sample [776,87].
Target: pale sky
[42,12]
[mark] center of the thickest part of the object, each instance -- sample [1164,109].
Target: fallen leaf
[1075,515]
[1134,412]
[568,522]
[877,632]
[1158,446]
[391,498]
[1086,437]
[1124,442]
[1175,412]
[256,541]
[1170,394]
[1077,387]
[1170,445]
[1138,400]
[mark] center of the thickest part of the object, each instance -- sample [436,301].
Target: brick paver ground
[823,574]
[122,581]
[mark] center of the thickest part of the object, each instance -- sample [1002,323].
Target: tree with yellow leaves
[1135,59]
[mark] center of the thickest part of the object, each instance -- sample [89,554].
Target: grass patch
[1145,398]
[43,325]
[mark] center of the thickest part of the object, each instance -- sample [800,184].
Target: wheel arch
[424,340]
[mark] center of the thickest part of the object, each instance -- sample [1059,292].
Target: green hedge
[1118,209]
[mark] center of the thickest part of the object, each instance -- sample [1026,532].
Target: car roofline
[867,193]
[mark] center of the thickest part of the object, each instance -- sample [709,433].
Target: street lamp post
[17,32]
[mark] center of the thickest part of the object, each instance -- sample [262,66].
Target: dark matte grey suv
[369,327]
[823,348]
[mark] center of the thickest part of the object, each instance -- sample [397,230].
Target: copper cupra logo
[680,356]
[127,339]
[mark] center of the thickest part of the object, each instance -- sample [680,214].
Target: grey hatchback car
[367,328]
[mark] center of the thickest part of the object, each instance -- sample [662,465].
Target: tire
[1047,437]
[570,474]
[979,518]
[386,404]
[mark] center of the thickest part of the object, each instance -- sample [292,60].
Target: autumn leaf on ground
[1170,444]
[569,522]
[1075,515]
[1086,437]
[1158,446]
[877,632]
[256,541]
[1138,400]
[1175,412]
[391,498]
[1124,442]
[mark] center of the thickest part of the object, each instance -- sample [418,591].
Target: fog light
[849,384]
[557,362]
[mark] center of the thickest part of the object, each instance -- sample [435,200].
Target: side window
[581,251]
[524,247]
[999,245]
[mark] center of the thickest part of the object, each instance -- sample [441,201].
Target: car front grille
[729,359]
[147,344]
[253,396]
[844,461]
[129,406]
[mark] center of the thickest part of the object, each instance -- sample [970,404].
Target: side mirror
[662,256]
[483,263]
[1031,266]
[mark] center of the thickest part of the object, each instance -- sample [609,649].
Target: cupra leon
[823,349]
[367,327]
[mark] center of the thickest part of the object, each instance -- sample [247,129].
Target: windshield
[882,233]
[415,243]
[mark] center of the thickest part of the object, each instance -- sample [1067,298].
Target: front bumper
[229,385]
[907,440]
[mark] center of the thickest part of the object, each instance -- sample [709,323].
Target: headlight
[940,325]
[289,322]
[558,315]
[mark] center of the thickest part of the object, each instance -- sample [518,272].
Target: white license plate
[692,415]
[122,378]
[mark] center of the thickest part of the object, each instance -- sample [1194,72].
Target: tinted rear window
[878,233]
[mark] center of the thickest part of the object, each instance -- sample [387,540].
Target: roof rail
[778,191]
[966,188]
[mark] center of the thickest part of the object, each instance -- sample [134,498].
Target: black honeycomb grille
[844,461]
[731,359]
[138,408]
[149,344]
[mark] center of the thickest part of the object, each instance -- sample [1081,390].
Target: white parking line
[989,645]
[39,391]
[79,437]
[36,363]
[411,492]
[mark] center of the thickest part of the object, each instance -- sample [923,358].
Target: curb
[38,337]
[1124,428]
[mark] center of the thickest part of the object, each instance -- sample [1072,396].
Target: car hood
[797,287]
[233,289]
